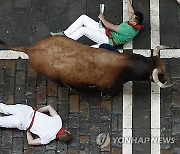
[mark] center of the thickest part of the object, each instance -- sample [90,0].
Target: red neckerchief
[138,27]
[60,132]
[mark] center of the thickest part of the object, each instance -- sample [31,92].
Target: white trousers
[18,116]
[85,26]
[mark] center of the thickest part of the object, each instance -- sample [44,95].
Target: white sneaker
[178,1]
[53,34]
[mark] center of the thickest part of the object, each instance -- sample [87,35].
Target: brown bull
[64,60]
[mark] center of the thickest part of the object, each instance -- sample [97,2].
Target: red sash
[32,121]
[108,34]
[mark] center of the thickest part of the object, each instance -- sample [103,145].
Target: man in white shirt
[25,117]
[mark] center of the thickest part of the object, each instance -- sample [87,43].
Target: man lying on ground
[25,117]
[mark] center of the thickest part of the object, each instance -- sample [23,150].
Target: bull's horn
[158,48]
[156,80]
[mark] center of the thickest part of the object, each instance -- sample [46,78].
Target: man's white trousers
[16,116]
[85,26]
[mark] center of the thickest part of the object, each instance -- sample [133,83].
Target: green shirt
[125,33]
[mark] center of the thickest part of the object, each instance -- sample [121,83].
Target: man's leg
[14,109]
[97,36]
[9,121]
[83,20]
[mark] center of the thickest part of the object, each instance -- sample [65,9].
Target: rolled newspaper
[102,11]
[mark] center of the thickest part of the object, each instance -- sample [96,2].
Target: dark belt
[32,121]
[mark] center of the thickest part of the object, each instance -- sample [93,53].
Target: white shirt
[46,127]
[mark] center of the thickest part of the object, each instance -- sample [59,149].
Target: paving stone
[141,87]
[73,150]
[84,111]
[74,120]
[176,128]
[41,80]
[63,110]
[41,94]
[9,99]
[117,104]
[141,133]
[84,148]
[39,149]
[84,127]
[141,119]
[10,67]
[20,77]
[32,102]
[17,145]
[51,88]
[63,93]
[165,151]
[61,147]
[1,93]
[30,85]
[6,139]
[175,151]
[106,108]
[116,139]
[139,148]
[105,127]
[165,102]
[22,4]
[74,103]
[95,100]
[51,146]
[141,101]
[21,64]
[166,122]
[175,99]
[84,138]
[30,71]
[175,72]
[116,150]
[75,141]
[176,114]
[52,101]
[50,152]
[20,94]
[1,76]
[41,10]
[18,133]
[2,63]
[94,116]
[9,85]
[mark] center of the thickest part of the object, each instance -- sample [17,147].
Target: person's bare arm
[49,109]
[108,24]
[130,8]
[31,140]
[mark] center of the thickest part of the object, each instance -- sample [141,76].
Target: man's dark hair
[139,17]
[66,137]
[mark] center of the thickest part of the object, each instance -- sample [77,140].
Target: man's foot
[59,32]
[178,1]
[53,34]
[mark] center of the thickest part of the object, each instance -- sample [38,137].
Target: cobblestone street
[87,114]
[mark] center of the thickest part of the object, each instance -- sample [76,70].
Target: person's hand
[101,16]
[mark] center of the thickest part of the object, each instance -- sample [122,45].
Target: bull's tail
[20,49]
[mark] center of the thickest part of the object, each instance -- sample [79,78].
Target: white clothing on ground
[46,127]
[85,26]
[20,116]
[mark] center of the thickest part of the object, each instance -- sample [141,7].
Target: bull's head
[159,72]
